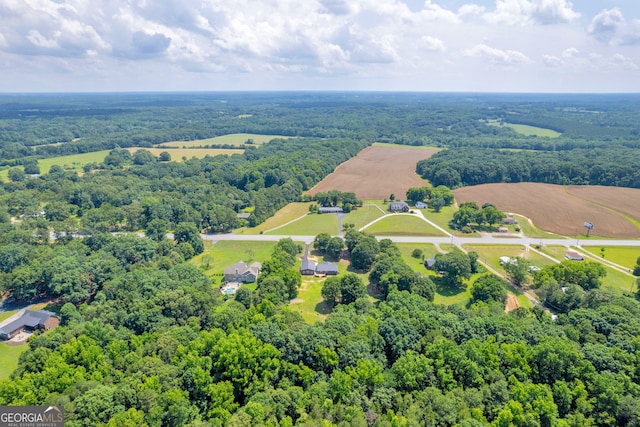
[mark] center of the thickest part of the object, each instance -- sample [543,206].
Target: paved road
[458,241]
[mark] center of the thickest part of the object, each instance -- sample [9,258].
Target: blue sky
[406,45]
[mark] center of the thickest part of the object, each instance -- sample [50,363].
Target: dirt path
[512,303]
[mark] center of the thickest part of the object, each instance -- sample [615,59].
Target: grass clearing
[226,252]
[288,213]
[417,264]
[526,129]
[230,139]
[555,251]
[9,356]
[529,229]
[402,225]
[362,216]
[177,154]
[74,162]
[625,256]
[310,225]
[443,218]
[6,314]
[309,302]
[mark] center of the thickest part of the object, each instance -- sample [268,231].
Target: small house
[429,263]
[327,268]
[510,220]
[330,209]
[505,260]
[29,321]
[398,207]
[241,272]
[574,256]
[308,268]
[243,215]
[421,205]
[503,230]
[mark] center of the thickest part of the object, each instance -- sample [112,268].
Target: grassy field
[289,213]
[528,130]
[177,154]
[362,216]
[310,225]
[622,255]
[73,162]
[443,217]
[490,255]
[9,356]
[530,230]
[402,225]
[310,303]
[231,139]
[416,264]
[5,315]
[225,253]
[555,251]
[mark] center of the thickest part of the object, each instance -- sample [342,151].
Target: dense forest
[146,339]
[53,125]
[613,166]
[156,345]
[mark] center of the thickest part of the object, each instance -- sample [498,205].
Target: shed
[429,263]
[330,209]
[574,256]
[503,230]
[509,220]
[505,260]
[420,205]
[327,268]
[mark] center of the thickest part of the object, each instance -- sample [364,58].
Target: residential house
[510,220]
[29,321]
[429,263]
[574,256]
[421,205]
[330,209]
[327,268]
[398,207]
[503,230]
[241,272]
[505,260]
[308,268]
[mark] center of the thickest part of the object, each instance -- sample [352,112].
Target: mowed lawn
[490,255]
[402,225]
[622,255]
[309,302]
[310,225]
[9,356]
[288,213]
[417,264]
[362,216]
[231,139]
[225,253]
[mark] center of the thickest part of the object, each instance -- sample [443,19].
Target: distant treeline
[47,126]
[614,166]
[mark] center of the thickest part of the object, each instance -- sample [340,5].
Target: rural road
[458,241]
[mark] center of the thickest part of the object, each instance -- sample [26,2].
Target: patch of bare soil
[558,209]
[377,172]
[512,303]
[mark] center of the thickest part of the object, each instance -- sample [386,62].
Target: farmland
[377,172]
[230,139]
[555,209]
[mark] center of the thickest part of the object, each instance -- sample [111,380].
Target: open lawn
[74,162]
[564,210]
[6,314]
[288,213]
[443,218]
[417,264]
[621,255]
[402,225]
[310,225]
[490,255]
[309,302]
[529,229]
[362,216]
[534,130]
[178,153]
[555,251]
[377,172]
[9,356]
[225,253]
[231,139]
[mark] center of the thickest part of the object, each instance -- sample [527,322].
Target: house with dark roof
[241,272]
[29,321]
[429,263]
[308,268]
[330,209]
[398,207]
[327,268]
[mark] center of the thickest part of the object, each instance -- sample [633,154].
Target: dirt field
[377,172]
[512,303]
[560,210]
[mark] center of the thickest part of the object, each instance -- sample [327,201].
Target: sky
[355,45]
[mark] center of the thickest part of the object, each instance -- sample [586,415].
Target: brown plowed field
[563,210]
[377,172]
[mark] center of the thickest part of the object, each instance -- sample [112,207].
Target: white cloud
[496,56]
[610,26]
[521,12]
[431,43]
